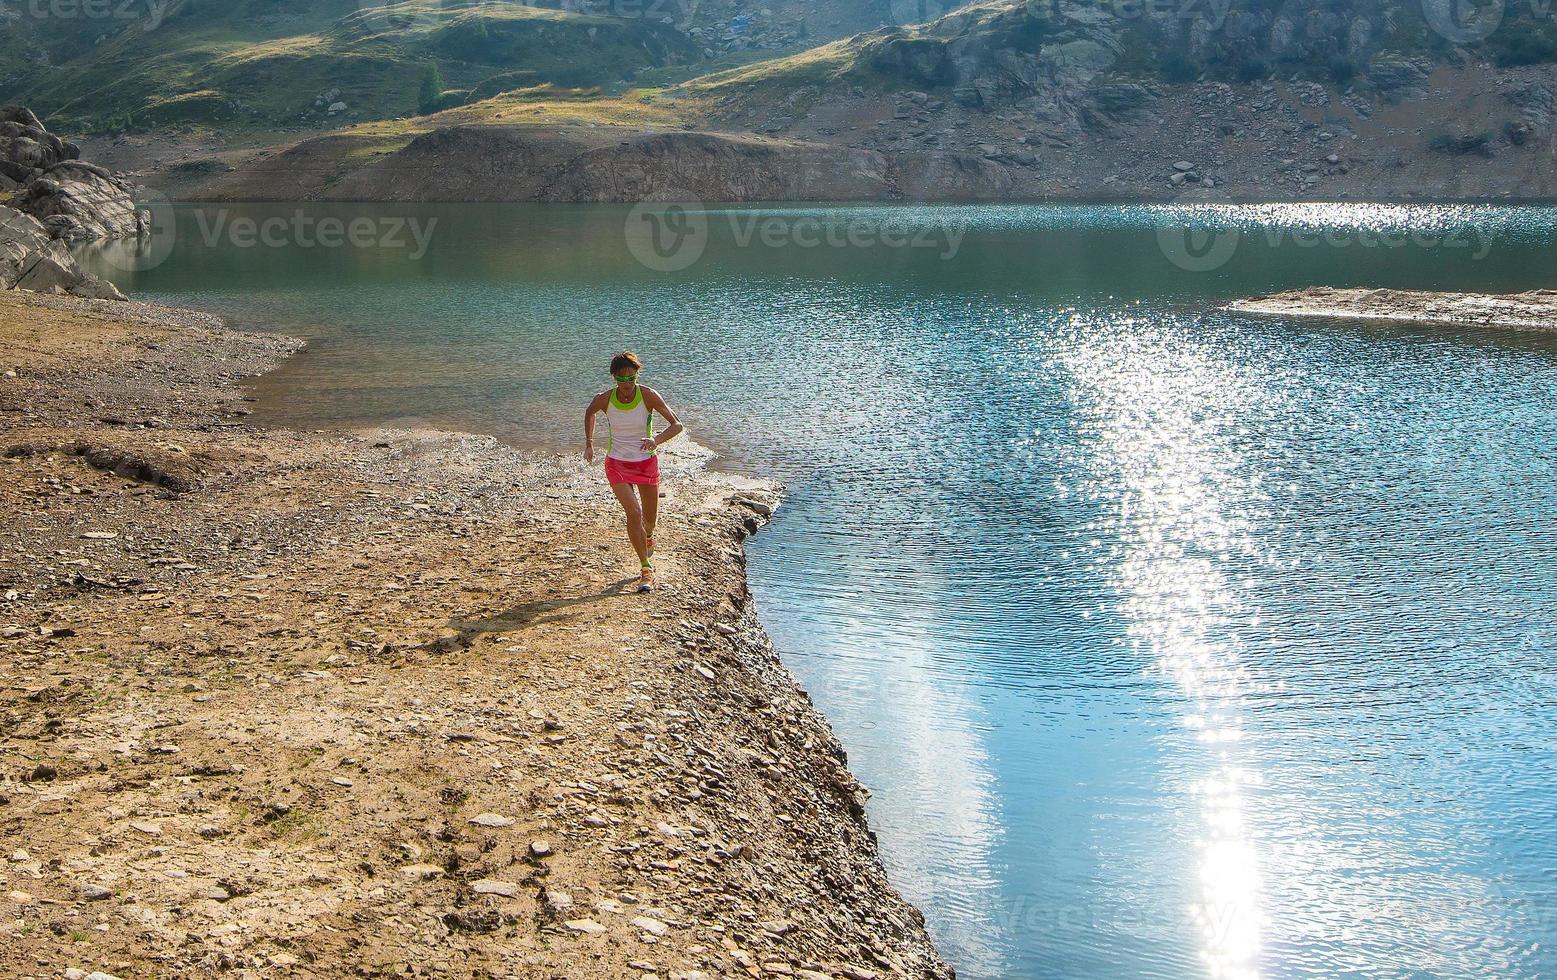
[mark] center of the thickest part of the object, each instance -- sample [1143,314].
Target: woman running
[632,452]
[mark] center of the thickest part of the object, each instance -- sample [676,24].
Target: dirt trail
[310,704]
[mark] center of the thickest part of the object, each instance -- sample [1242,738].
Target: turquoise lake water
[1171,642]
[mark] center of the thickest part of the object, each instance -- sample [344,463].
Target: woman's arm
[596,404]
[652,399]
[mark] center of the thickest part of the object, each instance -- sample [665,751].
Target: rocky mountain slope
[1001,100]
[52,198]
[135,65]
[997,100]
[1286,99]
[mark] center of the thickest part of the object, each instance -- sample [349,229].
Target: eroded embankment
[321,704]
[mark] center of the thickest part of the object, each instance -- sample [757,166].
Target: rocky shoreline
[379,704]
[51,199]
[1533,310]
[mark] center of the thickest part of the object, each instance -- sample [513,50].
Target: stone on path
[491,820]
[490,886]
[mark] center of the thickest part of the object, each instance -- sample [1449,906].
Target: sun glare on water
[1155,408]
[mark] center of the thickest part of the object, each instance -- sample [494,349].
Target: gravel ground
[280,703]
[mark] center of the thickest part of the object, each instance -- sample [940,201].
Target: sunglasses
[624,378]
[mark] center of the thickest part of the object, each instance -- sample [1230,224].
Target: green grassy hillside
[103,66]
[266,63]
[111,65]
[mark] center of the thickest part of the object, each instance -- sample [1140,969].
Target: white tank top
[626,425]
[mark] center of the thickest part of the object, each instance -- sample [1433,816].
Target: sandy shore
[284,703]
[1534,310]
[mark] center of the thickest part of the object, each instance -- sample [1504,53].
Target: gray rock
[58,199]
[83,203]
[78,201]
[89,286]
[22,241]
[53,272]
[490,886]
[556,902]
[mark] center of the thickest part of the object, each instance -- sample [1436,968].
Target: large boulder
[32,258]
[59,200]
[22,241]
[46,177]
[26,148]
[82,203]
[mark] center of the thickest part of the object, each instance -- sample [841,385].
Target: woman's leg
[629,501]
[650,495]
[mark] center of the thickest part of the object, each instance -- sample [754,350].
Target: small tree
[432,89]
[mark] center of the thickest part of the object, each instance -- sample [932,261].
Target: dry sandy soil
[280,703]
